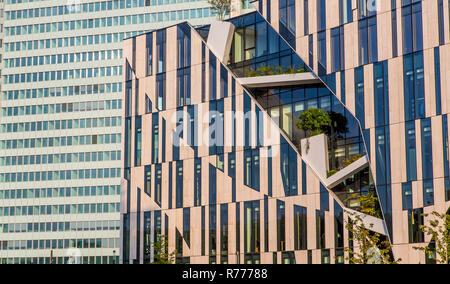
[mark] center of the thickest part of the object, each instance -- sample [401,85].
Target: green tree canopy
[314,121]
[161,251]
[222,7]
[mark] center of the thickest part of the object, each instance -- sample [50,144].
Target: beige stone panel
[132,140]
[134,99]
[437,142]
[301,257]
[397,212]
[196,49]
[313,184]
[369,97]
[383,7]
[196,84]
[396,96]
[146,139]
[384,32]
[398,153]
[289,224]
[141,56]
[150,90]
[350,91]
[312,16]
[171,90]
[338,85]
[418,149]
[239,89]
[445,78]
[263,171]
[171,48]
[196,231]
[328,49]
[164,185]
[446,22]
[199,260]
[266,258]
[273,244]
[137,183]
[332,14]
[300,16]
[274,14]
[401,251]
[329,230]
[127,53]
[228,133]
[417,191]
[430,91]
[311,221]
[224,187]
[316,256]
[188,183]
[372,138]
[414,256]
[207,92]
[252,123]
[186,151]
[430,24]
[351,45]
[399,29]
[440,205]
[400,226]
[315,53]
[239,123]
[232,231]
[145,88]
[171,229]
[302,48]
[170,126]
[203,130]
[277,184]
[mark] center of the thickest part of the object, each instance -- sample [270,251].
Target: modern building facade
[386,61]
[212,155]
[61,154]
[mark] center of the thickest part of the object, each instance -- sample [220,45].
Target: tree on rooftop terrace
[221,7]
[314,121]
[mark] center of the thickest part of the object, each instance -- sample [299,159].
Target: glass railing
[258,50]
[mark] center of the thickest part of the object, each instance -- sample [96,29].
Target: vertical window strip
[445,145]
[410,139]
[359,95]
[437,78]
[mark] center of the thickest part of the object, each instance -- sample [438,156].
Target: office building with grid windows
[60,137]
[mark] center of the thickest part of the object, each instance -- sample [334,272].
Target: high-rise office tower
[215,160]
[60,155]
